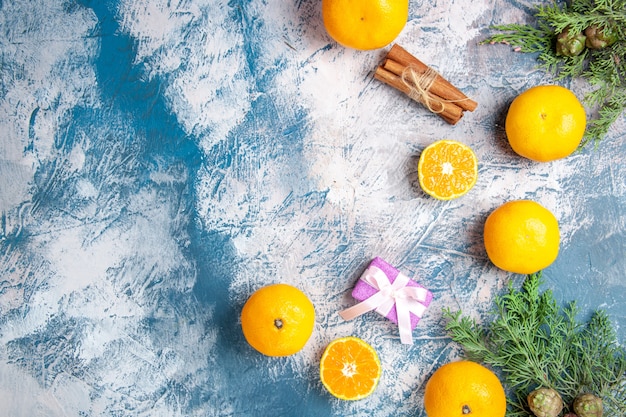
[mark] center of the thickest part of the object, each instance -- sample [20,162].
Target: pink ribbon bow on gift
[406,299]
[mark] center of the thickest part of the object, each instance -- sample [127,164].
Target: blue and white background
[162,159]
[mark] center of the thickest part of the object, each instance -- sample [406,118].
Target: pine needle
[535,343]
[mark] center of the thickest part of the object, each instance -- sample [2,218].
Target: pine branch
[603,68]
[612,109]
[535,343]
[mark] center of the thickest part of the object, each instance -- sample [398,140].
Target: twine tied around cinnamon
[419,85]
[423,84]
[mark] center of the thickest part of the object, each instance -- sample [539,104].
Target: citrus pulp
[350,368]
[447,169]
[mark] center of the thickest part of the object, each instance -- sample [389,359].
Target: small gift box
[391,293]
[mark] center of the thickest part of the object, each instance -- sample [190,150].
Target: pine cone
[600,37]
[545,402]
[588,405]
[569,43]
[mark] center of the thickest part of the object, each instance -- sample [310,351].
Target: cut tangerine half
[350,368]
[447,169]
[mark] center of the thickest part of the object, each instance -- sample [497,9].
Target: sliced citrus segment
[447,169]
[350,368]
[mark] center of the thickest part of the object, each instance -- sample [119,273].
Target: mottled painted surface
[161,160]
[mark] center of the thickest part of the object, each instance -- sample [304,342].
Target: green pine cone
[545,402]
[570,43]
[588,405]
[600,37]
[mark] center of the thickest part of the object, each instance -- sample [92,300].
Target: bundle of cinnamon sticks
[411,76]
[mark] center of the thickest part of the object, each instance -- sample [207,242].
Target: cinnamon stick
[450,112]
[440,87]
[437,90]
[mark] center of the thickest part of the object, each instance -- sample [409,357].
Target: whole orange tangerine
[522,236]
[278,320]
[545,123]
[464,389]
[364,24]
